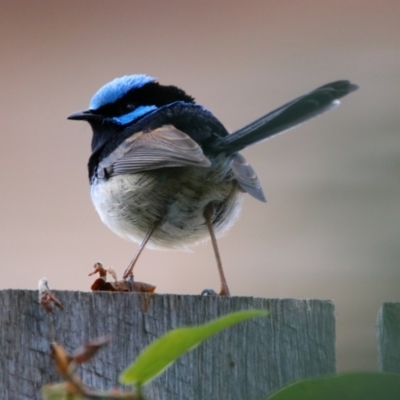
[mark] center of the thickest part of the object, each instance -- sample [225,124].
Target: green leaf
[348,386]
[162,352]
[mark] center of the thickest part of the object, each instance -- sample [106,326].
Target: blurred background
[330,229]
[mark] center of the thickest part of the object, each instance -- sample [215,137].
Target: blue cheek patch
[130,117]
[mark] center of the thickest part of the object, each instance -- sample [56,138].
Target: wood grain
[248,361]
[388,332]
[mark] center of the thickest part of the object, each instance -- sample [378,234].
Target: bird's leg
[208,213]
[129,269]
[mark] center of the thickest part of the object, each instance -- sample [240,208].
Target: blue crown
[117,88]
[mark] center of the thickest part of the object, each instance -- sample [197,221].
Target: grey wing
[164,147]
[246,177]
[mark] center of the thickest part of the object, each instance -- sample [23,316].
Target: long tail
[286,117]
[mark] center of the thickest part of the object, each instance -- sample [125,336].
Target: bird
[164,172]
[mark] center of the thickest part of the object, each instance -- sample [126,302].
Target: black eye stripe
[151,94]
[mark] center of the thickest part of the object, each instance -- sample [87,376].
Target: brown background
[331,226]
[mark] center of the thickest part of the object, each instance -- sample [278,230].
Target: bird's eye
[116,110]
[125,109]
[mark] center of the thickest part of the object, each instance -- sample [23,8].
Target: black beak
[86,115]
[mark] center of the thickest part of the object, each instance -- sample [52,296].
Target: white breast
[129,205]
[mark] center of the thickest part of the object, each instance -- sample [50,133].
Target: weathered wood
[388,332]
[247,361]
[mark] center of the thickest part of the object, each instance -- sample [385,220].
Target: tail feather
[286,117]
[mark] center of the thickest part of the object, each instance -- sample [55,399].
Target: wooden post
[388,332]
[248,361]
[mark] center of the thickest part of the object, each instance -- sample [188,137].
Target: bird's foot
[210,292]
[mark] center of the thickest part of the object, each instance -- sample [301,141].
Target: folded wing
[164,147]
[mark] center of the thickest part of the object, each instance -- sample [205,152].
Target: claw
[209,292]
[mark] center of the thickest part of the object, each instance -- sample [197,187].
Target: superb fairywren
[165,172]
